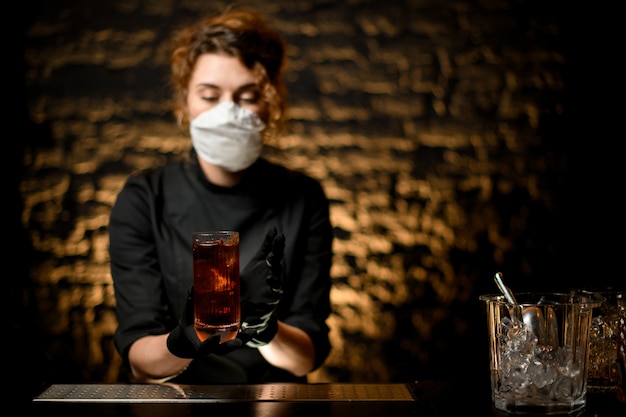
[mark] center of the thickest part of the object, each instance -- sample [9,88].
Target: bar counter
[420,399]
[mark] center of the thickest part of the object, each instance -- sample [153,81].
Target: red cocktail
[216,284]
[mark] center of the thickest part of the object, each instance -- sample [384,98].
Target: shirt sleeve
[142,308]
[310,270]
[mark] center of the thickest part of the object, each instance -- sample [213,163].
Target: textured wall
[438,130]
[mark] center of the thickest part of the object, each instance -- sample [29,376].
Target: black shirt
[150,231]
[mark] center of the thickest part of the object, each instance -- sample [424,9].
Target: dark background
[576,240]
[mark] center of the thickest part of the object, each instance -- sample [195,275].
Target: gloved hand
[183,341]
[262,289]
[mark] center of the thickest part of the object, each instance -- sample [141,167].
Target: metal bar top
[290,392]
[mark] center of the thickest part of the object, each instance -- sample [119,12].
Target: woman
[226,73]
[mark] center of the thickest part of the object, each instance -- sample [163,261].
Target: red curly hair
[243,34]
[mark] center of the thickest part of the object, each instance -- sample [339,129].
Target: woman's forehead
[220,71]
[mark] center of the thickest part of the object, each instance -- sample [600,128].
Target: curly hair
[243,34]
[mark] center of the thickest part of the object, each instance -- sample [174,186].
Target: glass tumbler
[216,284]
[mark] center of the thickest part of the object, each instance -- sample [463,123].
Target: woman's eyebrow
[208,85]
[246,86]
[216,87]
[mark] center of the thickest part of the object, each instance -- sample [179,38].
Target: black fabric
[150,230]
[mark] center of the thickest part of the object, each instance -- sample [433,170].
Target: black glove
[262,289]
[183,341]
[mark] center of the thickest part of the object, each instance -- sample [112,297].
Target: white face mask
[228,136]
